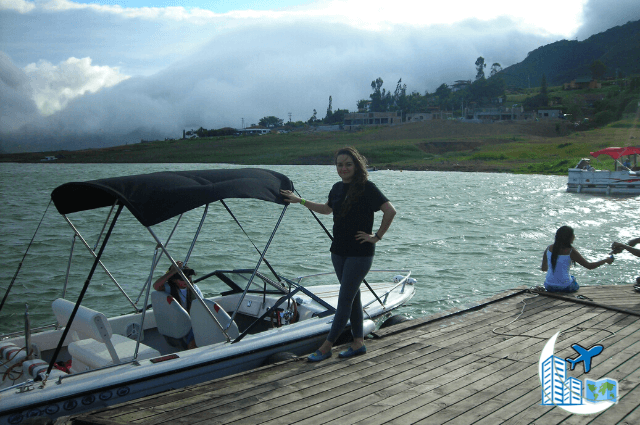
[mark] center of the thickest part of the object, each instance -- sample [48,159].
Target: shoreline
[539,148]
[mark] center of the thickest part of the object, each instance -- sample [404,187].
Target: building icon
[557,389]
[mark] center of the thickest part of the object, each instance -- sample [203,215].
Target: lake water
[464,236]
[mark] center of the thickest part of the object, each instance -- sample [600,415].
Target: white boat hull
[64,394]
[603,182]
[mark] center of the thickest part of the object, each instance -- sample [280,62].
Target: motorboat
[87,359]
[623,180]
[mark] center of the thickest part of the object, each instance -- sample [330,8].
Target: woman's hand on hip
[365,237]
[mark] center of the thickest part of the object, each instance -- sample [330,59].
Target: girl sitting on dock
[557,259]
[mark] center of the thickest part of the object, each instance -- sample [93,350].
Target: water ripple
[465,236]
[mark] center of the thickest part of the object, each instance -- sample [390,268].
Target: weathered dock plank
[477,365]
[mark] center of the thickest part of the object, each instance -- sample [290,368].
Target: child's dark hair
[564,237]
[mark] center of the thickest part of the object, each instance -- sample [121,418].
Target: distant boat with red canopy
[623,180]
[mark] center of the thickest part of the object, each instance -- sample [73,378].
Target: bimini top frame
[156,197]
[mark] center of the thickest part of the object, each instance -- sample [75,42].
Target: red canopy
[616,153]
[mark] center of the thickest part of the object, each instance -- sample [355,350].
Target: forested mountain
[618,48]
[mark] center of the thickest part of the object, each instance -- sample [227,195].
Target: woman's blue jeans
[351,271]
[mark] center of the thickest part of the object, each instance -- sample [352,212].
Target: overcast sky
[89,73]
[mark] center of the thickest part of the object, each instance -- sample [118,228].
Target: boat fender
[5,347]
[37,370]
[11,354]
[34,368]
[393,320]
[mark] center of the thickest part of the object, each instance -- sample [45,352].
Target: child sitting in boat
[557,259]
[173,284]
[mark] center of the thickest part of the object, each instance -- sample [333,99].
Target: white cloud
[17,107]
[54,86]
[21,6]
[195,68]
[543,18]
[263,69]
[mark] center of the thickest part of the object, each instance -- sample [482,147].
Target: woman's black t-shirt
[359,217]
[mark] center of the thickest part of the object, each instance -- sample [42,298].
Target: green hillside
[618,48]
[544,147]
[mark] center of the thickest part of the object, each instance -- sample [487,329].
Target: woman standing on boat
[557,259]
[353,201]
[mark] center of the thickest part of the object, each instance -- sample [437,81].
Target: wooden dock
[473,366]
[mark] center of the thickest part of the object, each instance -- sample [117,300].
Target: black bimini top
[156,197]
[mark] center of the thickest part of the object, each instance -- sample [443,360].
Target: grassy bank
[517,147]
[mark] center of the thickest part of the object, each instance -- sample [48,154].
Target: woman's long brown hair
[360,177]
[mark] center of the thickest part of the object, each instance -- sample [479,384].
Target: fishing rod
[23,257]
[331,237]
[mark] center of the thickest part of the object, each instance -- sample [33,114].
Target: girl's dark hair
[564,236]
[360,177]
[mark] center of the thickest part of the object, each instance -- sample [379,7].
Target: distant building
[436,114]
[549,113]
[582,83]
[354,120]
[259,131]
[191,134]
[515,112]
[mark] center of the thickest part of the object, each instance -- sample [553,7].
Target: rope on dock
[562,332]
[586,301]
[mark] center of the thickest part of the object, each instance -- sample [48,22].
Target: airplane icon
[585,356]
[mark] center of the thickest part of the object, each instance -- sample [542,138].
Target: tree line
[481,91]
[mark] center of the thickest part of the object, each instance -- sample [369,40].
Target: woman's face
[346,167]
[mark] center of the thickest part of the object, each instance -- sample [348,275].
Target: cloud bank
[54,86]
[144,77]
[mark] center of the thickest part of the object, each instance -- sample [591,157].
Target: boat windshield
[237,281]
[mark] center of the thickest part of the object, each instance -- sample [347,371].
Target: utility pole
[289,116]
[243,123]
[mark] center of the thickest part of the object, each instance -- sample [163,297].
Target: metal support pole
[66,278]
[82,292]
[188,283]
[193,243]
[100,262]
[157,259]
[264,252]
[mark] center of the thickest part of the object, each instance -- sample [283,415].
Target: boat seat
[205,330]
[101,347]
[172,319]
